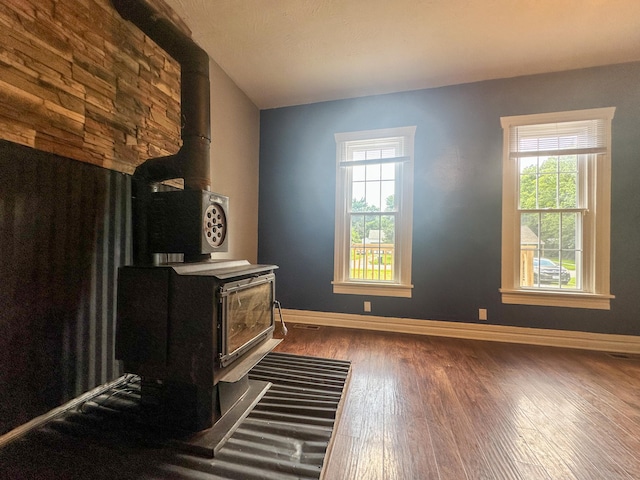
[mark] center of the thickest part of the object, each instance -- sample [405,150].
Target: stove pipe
[191,162]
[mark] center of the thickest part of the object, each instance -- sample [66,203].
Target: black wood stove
[190,330]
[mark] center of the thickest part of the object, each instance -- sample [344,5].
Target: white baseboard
[473,331]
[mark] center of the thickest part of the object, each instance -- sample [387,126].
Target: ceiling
[290,52]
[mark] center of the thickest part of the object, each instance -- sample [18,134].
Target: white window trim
[341,283]
[596,294]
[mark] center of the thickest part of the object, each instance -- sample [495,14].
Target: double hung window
[374,212]
[556,208]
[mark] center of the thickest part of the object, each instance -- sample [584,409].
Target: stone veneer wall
[79,81]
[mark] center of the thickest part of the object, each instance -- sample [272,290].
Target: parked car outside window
[547,271]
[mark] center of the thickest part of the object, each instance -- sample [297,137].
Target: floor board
[421,407]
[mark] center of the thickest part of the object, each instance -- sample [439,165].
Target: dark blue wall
[457,209]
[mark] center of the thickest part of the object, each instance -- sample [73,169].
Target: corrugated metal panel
[64,231]
[109,194]
[286,435]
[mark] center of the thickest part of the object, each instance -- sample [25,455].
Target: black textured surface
[64,231]
[284,437]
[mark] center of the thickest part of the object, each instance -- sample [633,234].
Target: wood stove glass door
[247,315]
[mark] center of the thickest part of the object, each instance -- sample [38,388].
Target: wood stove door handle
[284,327]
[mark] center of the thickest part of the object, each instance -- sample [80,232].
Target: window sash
[583,192]
[378,272]
[567,248]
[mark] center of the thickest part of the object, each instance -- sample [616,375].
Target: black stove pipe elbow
[192,161]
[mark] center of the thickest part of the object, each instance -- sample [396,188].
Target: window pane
[568,190]
[529,248]
[388,224]
[528,191]
[373,172]
[357,229]
[386,266]
[388,171]
[358,173]
[388,196]
[569,163]
[550,230]
[548,164]
[570,231]
[356,249]
[576,277]
[530,230]
[528,164]
[373,196]
[358,197]
[547,191]
[372,230]
[571,248]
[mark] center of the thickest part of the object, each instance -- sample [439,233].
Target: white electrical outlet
[482,314]
[367,306]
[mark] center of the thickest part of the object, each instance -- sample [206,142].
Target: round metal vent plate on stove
[215,225]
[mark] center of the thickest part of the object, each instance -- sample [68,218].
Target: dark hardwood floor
[421,407]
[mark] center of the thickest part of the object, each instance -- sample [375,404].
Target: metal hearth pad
[287,435]
[209,442]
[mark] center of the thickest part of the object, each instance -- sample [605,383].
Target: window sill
[557,299]
[374,289]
